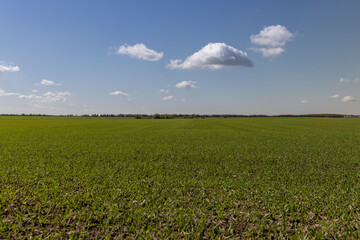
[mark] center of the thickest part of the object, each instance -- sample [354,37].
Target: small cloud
[34,91]
[31,96]
[343,80]
[167,98]
[349,99]
[140,51]
[3,93]
[4,68]
[49,83]
[186,84]
[164,91]
[213,56]
[335,96]
[347,80]
[55,97]
[120,93]
[273,38]
[44,98]
[305,101]
[269,52]
[184,100]
[48,97]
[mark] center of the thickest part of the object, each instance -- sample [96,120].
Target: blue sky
[207,57]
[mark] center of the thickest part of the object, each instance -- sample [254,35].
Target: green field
[63,177]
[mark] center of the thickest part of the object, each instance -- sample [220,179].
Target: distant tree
[156,116]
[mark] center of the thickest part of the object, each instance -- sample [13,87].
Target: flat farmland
[214,178]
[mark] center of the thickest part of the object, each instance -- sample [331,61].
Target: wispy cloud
[167,98]
[273,38]
[269,52]
[213,56]
[140,51]
[349,99]
[9,68]
[120,93]
[186,84]
[3,93]
[335,96]
[55,96]
[304,101]
[347,80]
[31,96]
[44,98]
[164,91]
[49,83]
[48,97]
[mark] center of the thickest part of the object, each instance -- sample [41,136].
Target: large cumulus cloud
[213,56]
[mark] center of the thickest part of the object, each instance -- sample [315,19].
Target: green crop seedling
[80,178]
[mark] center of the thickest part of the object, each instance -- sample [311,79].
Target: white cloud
[49,83]
[343,80]
[213,56]
[269,52]
[47,97]
[349,99]
[34,90]
[55,97]
[186,84]
[167,98]
[184,99]
[305,101]
[6,94]
[164,91]
[31,96]
[273,38]
[140,51]
[335,96]
[347,80]
[120,93]
[4,68]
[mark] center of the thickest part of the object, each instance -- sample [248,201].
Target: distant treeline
[172,116]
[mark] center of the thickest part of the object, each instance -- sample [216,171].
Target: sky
[184,57]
